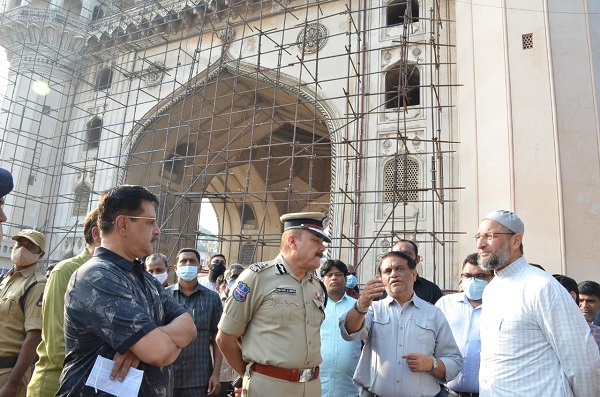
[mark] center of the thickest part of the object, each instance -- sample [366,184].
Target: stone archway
[244,143]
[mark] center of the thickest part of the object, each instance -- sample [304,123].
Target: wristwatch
[435,365]
[358,309]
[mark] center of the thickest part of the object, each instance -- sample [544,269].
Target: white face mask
[161,277]
[187,273]
[22,257]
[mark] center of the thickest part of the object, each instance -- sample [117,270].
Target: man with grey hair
[533,339]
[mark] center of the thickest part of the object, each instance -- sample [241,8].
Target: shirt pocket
[285,309]
[317,312]
[8,305]
[380,327]
[425,336]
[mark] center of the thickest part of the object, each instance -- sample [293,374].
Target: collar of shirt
[108,255]
[416,301]
[198,289]
[512,268]
[280,261]
[342,299]
[28,271]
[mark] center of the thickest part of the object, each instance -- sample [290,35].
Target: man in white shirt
[534,341]
[463,311]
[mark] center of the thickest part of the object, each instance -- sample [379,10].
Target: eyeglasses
[152,220]
[489,236]
[478,276]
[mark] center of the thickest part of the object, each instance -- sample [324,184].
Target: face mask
[161,277]
[230,284]
[352,281]
[474,288]
[23,257]
[187,273]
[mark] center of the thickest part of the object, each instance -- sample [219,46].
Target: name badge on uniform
[285,290]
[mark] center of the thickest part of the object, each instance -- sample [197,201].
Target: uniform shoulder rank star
[257,267]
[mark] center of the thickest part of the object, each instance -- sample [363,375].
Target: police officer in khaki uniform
[276,309]
[21,293]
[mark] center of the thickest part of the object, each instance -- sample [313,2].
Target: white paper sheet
[99,379]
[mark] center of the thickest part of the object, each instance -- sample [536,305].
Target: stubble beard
[496,260]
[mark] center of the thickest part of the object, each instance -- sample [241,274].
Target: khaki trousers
[5,373]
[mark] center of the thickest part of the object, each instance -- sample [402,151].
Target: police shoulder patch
[241,291]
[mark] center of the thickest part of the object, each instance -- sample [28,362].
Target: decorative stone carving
[385,245]
[312,38]
[227,35]
[153,74]
[387,57]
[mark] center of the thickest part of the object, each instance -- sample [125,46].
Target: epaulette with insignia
[257,267]
[281,269]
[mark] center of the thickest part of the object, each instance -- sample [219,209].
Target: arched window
[401,179]
[402,87]
[396,12]
[82,200]
[104,79]
[97,13]
[248,217]
[93,133]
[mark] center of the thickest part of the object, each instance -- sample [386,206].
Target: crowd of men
[277,328]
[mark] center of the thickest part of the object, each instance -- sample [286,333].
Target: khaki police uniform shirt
[16,322]
[277,316]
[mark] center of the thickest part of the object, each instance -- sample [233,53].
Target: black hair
[181,251]
[397,254]
[472,259]
[91,220]
[331,263]
[589,288]
[414,245]
[122,200]
[569,284]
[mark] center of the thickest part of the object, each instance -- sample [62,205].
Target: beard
[495,260]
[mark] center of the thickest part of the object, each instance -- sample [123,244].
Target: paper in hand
[99,379]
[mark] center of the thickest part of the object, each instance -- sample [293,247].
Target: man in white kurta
[534,341]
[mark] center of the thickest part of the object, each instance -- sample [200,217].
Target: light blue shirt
[463,319]
[391,331]
[340,357]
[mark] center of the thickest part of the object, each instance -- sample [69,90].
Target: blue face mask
[230,284]
[187,273]
[352,281]
[474,288]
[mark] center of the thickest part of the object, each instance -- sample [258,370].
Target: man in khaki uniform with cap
[276,309]
[21,293]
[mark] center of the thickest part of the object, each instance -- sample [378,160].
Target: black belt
[460,393]
[8,362]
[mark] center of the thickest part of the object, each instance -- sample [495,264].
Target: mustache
[319,254]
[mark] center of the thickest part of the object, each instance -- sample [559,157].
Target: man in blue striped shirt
[340,357]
